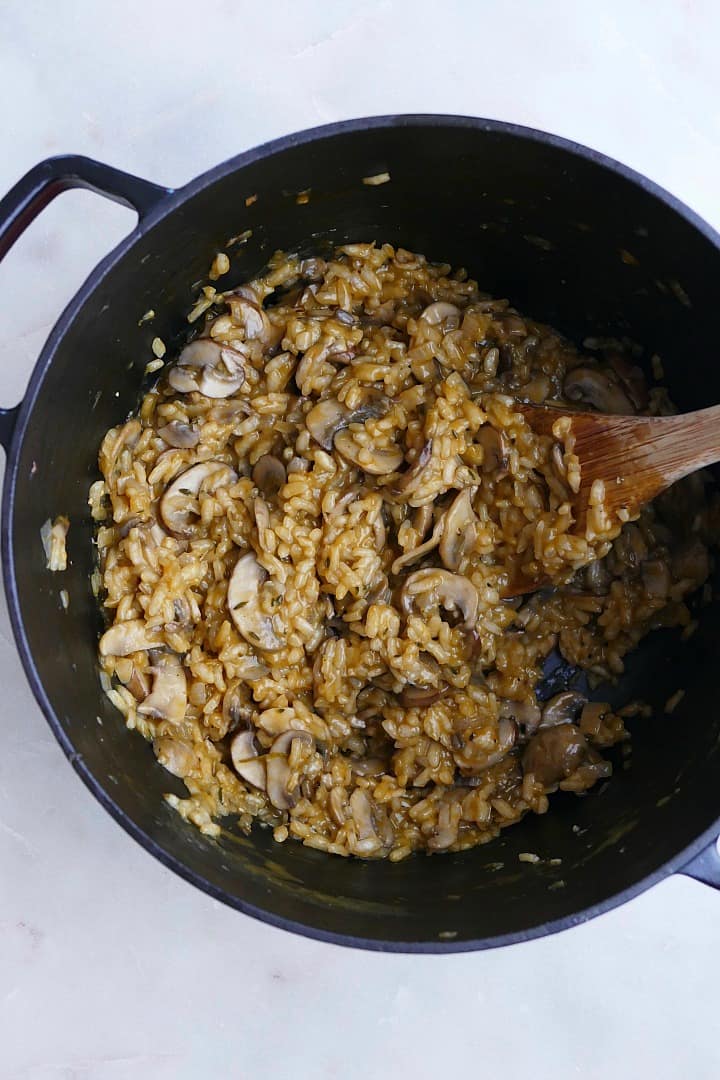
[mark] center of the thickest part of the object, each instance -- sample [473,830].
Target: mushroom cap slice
[370,460]
[128,637]
[596,388]
[244,604]
[269,474]
[324,421]
[459,530]
[419,552]
[168,698]
[178,756]
[562,708]
[495,449]
[251,316]
[451,591]
[205,365]
[246,760]
[179,435]
[278,769]
[174,509]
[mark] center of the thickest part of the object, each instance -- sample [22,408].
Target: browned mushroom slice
[420,697]
[177,504]
[168,699]
[364,813]
[178,756]
[446,831]
[377,462]
[244,604]
[556,753]
[128,637]
[562,709]
[418,552]
[526,714]
[596,388]
[246,760]
[269,474]
[495,450]
[179,435]
[451,591]
[326,419]
[251,317]
[404,487]
[237,707]
[215,370]
[278,769]
[459,530]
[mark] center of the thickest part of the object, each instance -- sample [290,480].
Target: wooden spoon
[636,457]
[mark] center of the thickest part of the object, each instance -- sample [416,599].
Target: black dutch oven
[573,238]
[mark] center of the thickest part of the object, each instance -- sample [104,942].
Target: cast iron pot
[573,238]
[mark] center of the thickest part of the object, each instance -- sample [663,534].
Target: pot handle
[705,867]
[49,178]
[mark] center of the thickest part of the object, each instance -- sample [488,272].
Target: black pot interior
[569,241]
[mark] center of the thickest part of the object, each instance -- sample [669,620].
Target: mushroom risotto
[313,537]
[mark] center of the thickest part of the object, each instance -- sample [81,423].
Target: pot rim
[166,206]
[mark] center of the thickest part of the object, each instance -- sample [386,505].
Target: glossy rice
[311,537]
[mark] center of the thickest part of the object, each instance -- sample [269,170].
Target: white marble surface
[110,967]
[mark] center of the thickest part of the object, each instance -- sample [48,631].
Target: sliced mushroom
[269,474]
[174,508]
[419,552]
[326,419]
[442,313]
[507,735]
[337,804]
[555,753]
[459,530]
[495,449]
[404,487]
[361,810]
[168,699]
[251,316]
[246,760]
[278,769]
[244,604]
[179,435]
[178,756]
[422,520]
[277,721]
[419,697]
[138,684]
[215,370]
[526,714]
[370,460]
[562,708]
[596,388]
[446,830]
[592,716]
[451,591]
[237,708]
[128,637]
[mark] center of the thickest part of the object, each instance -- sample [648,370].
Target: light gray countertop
[111,967]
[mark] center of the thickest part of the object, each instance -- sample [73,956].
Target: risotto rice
[310,540]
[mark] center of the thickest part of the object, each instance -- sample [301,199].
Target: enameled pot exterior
[572,238]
